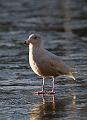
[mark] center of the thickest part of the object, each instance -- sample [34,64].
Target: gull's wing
[51,64]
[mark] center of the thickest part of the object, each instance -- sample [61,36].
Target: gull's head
[33,39]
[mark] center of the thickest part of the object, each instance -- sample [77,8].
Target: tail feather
[72,74]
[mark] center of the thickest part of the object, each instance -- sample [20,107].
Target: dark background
[63,25]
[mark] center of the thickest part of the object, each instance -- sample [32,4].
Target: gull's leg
[53,84]
[43,84]
[52,92]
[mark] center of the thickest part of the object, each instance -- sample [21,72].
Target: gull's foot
[44,92]
[40,92]
[51,92]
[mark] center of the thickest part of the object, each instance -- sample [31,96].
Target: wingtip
[72,76]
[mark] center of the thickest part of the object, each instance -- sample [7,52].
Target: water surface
[63,25]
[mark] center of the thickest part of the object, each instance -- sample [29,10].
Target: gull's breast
[34,65]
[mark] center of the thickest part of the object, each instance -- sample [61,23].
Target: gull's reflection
[50,108]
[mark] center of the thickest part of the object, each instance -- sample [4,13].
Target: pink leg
[53,84]
[52,92]
[43,86]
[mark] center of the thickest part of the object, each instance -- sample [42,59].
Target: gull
[44,63]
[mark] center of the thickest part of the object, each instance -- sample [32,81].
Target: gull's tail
[72,74]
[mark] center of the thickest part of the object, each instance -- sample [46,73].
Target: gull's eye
[35,37]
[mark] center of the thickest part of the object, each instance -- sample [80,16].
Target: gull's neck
[34,52]
[33,48]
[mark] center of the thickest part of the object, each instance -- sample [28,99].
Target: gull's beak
[25,42]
